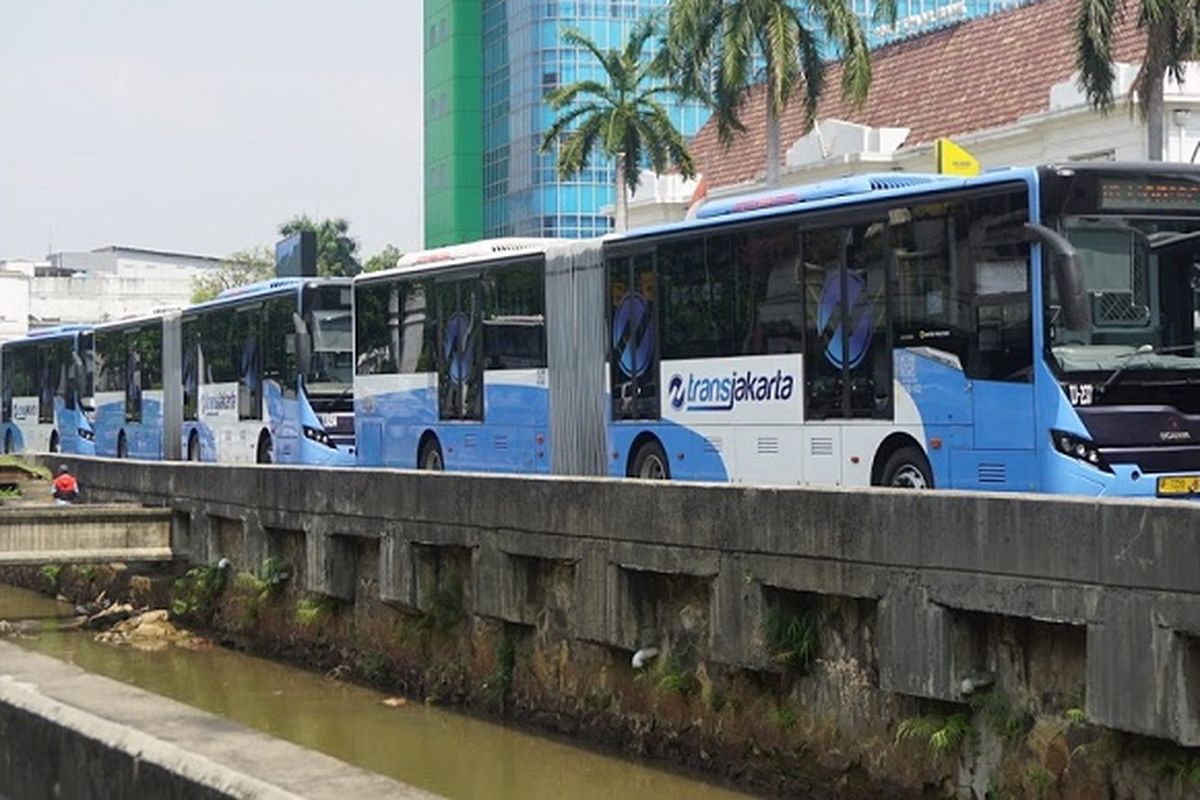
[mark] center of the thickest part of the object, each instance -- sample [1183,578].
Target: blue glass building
[488,66]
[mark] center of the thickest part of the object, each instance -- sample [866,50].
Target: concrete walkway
[68,734]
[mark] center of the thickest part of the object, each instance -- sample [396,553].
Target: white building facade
[95,286]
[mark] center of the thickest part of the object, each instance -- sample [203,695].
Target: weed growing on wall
[942,735]
[195,594]
[443,608]
[499,681]
[313,608]
[1008,721]
[791,639]
[51,574]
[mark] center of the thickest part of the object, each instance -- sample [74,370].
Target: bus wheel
[193,453]
[122,446]
[8,445]
[907,468]
[53,441]
[650,463]
[266,449]
[430,457]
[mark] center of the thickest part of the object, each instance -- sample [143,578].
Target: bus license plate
[1178,485]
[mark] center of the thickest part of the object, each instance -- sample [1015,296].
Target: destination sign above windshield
[1126,194]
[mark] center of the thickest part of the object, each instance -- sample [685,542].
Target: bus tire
[907,468]
[193,448]
[53,441]
[430,456]
[266,449]
[650,462]
[8,443]
[122,446]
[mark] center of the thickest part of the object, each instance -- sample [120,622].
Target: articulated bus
[451,360]
[46,392]
[263,373]
[1028,329]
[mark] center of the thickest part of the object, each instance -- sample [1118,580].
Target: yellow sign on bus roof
[953,160]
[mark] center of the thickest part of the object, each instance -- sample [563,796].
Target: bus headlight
[1079,449]
[319,436]
[87,435]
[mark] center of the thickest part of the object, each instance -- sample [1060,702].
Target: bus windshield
[1141,276]
[327,314]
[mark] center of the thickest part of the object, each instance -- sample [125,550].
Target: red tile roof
[975,75]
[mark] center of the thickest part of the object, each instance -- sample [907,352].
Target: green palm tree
[715,49]
[1171,28]
[621,118]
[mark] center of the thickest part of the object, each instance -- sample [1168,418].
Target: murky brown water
[438,750]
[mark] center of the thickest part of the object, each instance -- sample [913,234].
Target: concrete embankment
[807,640]
[67,734]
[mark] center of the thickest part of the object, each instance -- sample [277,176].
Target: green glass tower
[453,121]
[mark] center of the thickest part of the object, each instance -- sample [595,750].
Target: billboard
[296,256]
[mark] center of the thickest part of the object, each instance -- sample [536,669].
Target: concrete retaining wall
[932,563]
[41,534]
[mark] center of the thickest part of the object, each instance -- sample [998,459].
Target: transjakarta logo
[723,393]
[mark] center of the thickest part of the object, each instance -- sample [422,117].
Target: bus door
[460,369]
[993,261]
[633,357]
[848,362]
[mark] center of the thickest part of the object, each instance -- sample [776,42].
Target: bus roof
[823,195]
[459,254]
[137,320]
[57,332]
[267,288]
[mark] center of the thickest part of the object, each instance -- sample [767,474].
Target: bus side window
[6,386]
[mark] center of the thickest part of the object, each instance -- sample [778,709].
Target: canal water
[435,749]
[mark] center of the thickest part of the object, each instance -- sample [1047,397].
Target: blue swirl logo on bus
[725,392]
[859,319]
[633,335]
[458,348]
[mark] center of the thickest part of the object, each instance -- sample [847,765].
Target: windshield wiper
[1143,350]
[1166,239]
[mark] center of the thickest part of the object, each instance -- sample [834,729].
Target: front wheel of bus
[122,446]
[907,468]
[193,451]
[8,443]
[54,441]
[650,463]
[430,457]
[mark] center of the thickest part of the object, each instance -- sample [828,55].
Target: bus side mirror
[1068,276]
[1072,293]
[303,344]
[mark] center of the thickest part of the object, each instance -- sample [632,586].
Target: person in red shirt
[65,487]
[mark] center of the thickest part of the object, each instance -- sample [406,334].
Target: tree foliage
[620,118]
[715,48]
[384,259]
[336,248]
[239,269]
[1172,32]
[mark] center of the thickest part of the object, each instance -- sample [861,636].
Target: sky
[200,127]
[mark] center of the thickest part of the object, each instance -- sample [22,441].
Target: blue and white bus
[133,399]
[46,392]
[1025,330]
[261,374]
[451,360]
[267,375]
[1029,329]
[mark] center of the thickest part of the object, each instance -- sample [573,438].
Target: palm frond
[1093,51]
